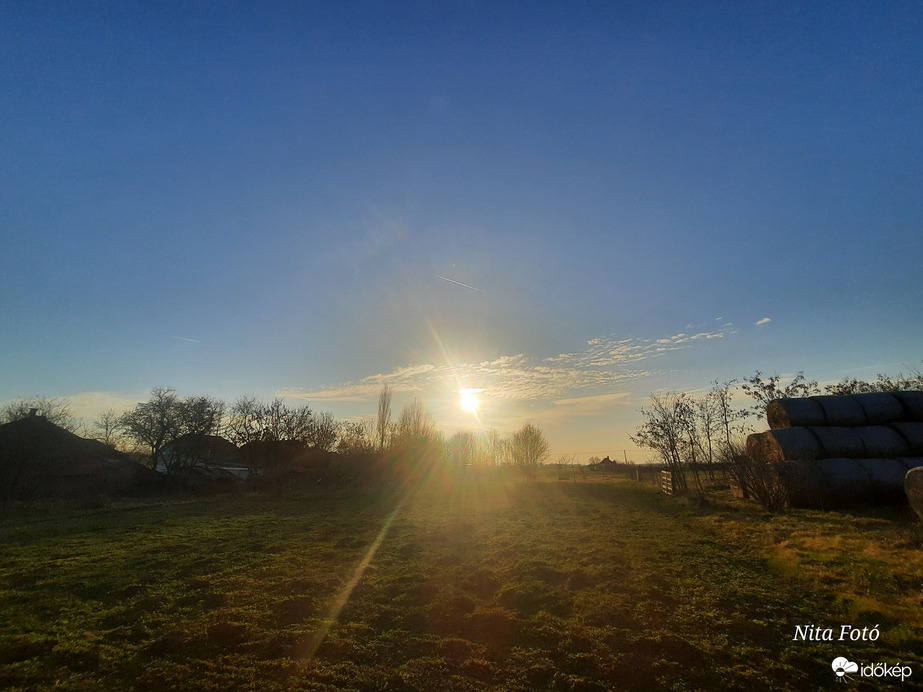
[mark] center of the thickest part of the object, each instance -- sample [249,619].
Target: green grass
[478,583]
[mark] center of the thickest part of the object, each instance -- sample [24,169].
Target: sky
[565,206]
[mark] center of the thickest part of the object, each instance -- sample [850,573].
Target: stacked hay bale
[836,450]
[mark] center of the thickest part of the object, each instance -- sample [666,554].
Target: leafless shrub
[757,476]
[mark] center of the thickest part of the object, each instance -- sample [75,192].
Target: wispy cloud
[587,406]
[600,367]
[508,377]
[765,320]
[605,351]
[594,402]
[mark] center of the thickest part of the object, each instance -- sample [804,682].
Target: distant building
[604,465]
[39,459]
[210,456]
[271,456]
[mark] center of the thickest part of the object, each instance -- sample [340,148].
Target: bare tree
[200,418]
[666,431]
[763,391]
[253,421]
[53,410]
[567,468]
[357,437]
[493,447]
[529,448]
[462,450]
[153,423]
[200,415]
[368,432]
[283,423]
[729,418]
[165,418]
[715,423]
[415,424]
[416,445]
[383,422]
[506,452]
[245,421]
[324,430]
[106,428]
[883,383]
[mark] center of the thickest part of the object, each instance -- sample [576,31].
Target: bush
[758,477]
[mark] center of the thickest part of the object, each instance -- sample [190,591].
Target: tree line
[172,431]
[415,430]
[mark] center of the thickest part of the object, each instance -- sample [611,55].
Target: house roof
[212,449]
[258,452]
[38,440]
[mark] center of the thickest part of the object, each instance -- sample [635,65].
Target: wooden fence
[666,482]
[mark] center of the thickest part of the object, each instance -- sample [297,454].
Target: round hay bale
[792,413]
[880,407]
[912,403]
[785,444]
[847,478]
[839,482]
[839,441]
[756,446]
[883,441]
[887,475]
[841,410]
[913,488]
[804,482]
[912,432]
[824,483]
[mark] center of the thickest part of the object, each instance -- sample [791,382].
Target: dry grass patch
[867,563]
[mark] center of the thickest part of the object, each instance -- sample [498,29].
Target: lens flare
[469,401]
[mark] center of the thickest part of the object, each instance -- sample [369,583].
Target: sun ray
[313,642]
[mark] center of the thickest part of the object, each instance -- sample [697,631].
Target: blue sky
[567,205]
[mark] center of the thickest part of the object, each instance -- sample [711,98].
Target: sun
[469,401]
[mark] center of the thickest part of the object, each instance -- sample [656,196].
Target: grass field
[485,582]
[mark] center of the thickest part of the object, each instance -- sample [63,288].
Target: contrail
[453,281]
[183,338]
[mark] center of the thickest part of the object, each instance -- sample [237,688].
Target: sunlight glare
[469,401]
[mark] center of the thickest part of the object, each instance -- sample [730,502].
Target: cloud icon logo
[841,666]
